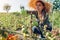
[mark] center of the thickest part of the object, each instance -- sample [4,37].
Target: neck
[39,12]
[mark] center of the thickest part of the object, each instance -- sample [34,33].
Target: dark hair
[44,9]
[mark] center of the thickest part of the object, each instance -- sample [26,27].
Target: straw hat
[32,4]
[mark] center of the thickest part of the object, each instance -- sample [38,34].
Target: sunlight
[15,4]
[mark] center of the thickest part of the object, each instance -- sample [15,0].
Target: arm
[33,13]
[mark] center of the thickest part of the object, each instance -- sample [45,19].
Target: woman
[42,18]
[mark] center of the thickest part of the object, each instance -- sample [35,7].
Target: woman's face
[39,6]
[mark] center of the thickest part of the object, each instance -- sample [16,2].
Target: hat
[32,4]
